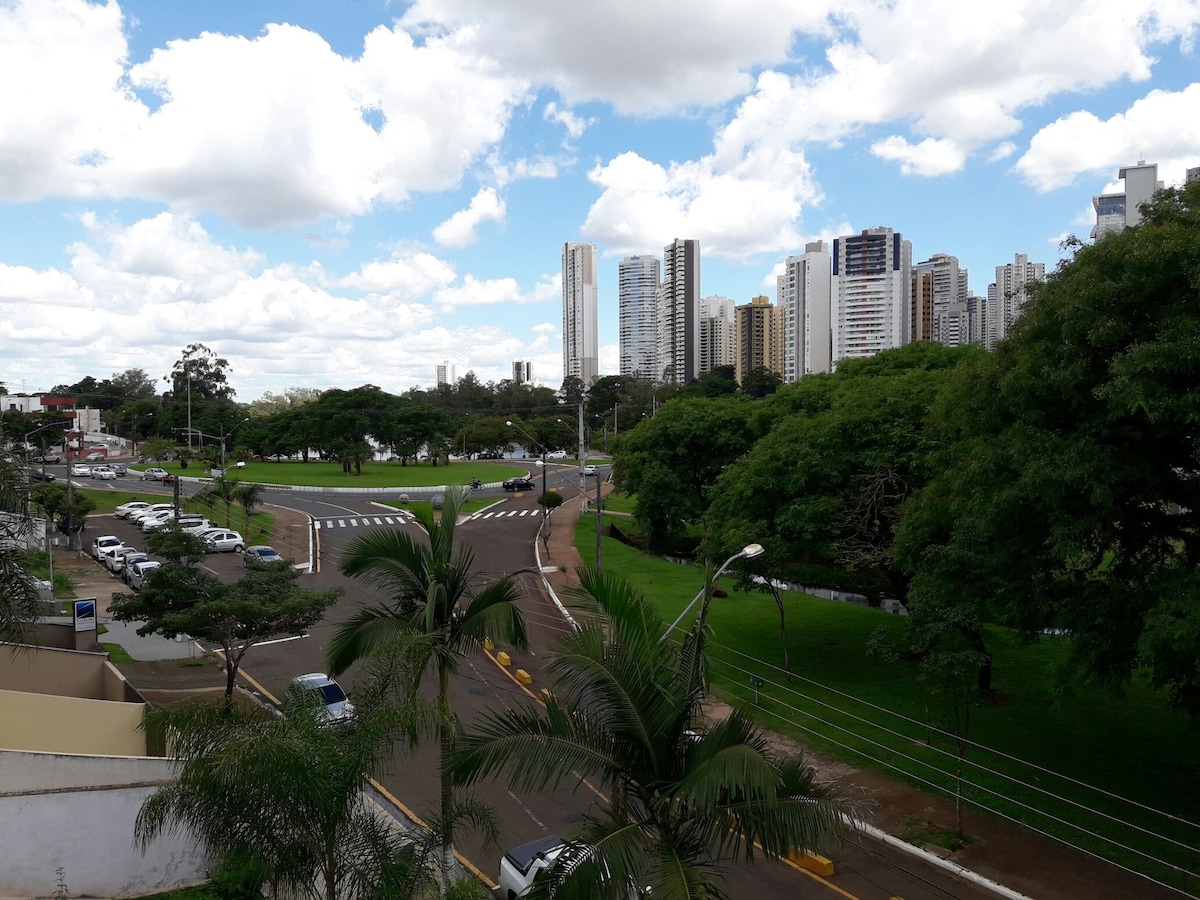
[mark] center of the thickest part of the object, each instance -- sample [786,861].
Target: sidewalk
[1018,858]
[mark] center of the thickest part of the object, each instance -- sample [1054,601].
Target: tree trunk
[446,741]
[985,669]
[787,666]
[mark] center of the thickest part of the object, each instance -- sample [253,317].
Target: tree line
[1050,486]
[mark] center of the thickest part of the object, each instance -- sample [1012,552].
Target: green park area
[468,506]
[319,473]
[839,698]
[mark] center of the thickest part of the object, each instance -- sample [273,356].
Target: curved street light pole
[545,506]
[748,552]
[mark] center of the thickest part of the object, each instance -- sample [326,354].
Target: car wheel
[237,548]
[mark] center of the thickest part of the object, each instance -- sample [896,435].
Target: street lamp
[545,505]
[748,552]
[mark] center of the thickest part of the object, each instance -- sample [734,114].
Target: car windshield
[332,693]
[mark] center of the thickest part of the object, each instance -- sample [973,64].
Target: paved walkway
[1019,859]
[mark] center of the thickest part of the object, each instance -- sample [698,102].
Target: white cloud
[459,229]
[505,173]
[929,158]
[574,125]
[1162,127]
[642,56]
[406,275]
[487,292]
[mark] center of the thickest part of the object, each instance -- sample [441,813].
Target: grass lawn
[257,529]
[375,474]
[843,701]
[117,653]
[619,502]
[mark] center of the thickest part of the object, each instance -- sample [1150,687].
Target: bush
[551,500]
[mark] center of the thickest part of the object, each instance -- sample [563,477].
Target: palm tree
[223,490]
[250,496]
[281,801]
[686,798]
[19,600]
[438,611]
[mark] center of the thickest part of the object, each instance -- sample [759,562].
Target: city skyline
[335,197]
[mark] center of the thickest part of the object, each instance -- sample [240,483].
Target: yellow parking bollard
[503,658]
[524,677]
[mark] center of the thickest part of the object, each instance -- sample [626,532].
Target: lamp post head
[508,424]
[751,550]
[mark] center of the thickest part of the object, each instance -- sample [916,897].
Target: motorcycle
[476,484]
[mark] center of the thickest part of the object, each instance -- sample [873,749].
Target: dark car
[519,484]
[39,475]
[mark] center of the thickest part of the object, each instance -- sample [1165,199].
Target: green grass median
[374,474]
[843,701]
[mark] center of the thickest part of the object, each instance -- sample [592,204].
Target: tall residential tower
[679,313]
[871,287]
[803,292]
[580,341]
[637,316]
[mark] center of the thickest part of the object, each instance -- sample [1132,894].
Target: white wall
[85,826]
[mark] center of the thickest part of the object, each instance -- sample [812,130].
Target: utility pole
[581,452]
[599,552]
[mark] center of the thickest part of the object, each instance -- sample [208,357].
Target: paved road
[502,537]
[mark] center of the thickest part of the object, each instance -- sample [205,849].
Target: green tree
[1070,499]
[285,798]
[250,496]
[19,606]
[686,798]
[200,374]
[761,382]
[221,490]
[183,599]
[439,610]
[672,460]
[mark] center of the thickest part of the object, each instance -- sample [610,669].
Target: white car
[224,542]
[103,544]
[104,473]
[138,515]
[196,525]
[557,454]
[520,865]
[96,456]
[319,688]
[126,509]
[141,571]
[79,470]
[114,559]
[149,523]
[590,470]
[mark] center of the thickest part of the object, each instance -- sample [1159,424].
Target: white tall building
[1007,295]
[871,289]
[444,374]
[949,285]
[803,292]
[1116,212]
[637,316]
[718,330]
[581,356]
[679,312]
[522,371]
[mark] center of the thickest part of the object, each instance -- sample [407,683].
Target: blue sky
[329,193]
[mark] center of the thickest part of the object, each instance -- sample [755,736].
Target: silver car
[224,542]
[319,688]
[141,571]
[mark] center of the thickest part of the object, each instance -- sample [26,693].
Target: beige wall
[68,673]
[70,725]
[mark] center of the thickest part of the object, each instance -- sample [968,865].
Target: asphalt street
[502,537]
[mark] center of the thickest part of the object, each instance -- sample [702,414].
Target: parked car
[224,542]
[159,519]
[79,470]
[590,470]
[104,473]
[130,562]
[119,468]
[115,559]
[154,473]
[152,509]
[103,543]
[51,459]
[557,454]
[39,475]
[521,865]
[96,456]
[519,484]
[194,525]
[125,510]
[141,571]
[319,688]
[261,553]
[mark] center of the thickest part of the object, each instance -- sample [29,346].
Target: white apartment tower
[803,292]
[637,315]
[444,374]
[1116,212]
[580,340]
[718,330]
[944,282]
[522,371]
[1007,296]
[871,291]
[679,313]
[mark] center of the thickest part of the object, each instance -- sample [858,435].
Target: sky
[330,193]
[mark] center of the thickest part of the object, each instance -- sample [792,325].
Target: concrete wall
[77,812]
[63,672]
[70,725]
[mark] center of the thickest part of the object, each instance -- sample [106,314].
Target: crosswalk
[406,518]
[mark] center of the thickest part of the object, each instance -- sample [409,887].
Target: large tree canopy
[1070,499]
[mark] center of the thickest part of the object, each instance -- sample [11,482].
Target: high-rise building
[803,293]
[953,324]
[920,325]
[1116,212]
[937,283]
[444,374]
[522,371]
[760,337]
[637,316]
[716,333]
[1007,295]
[977,319]
[871,290]
[579,296]
[679,312]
